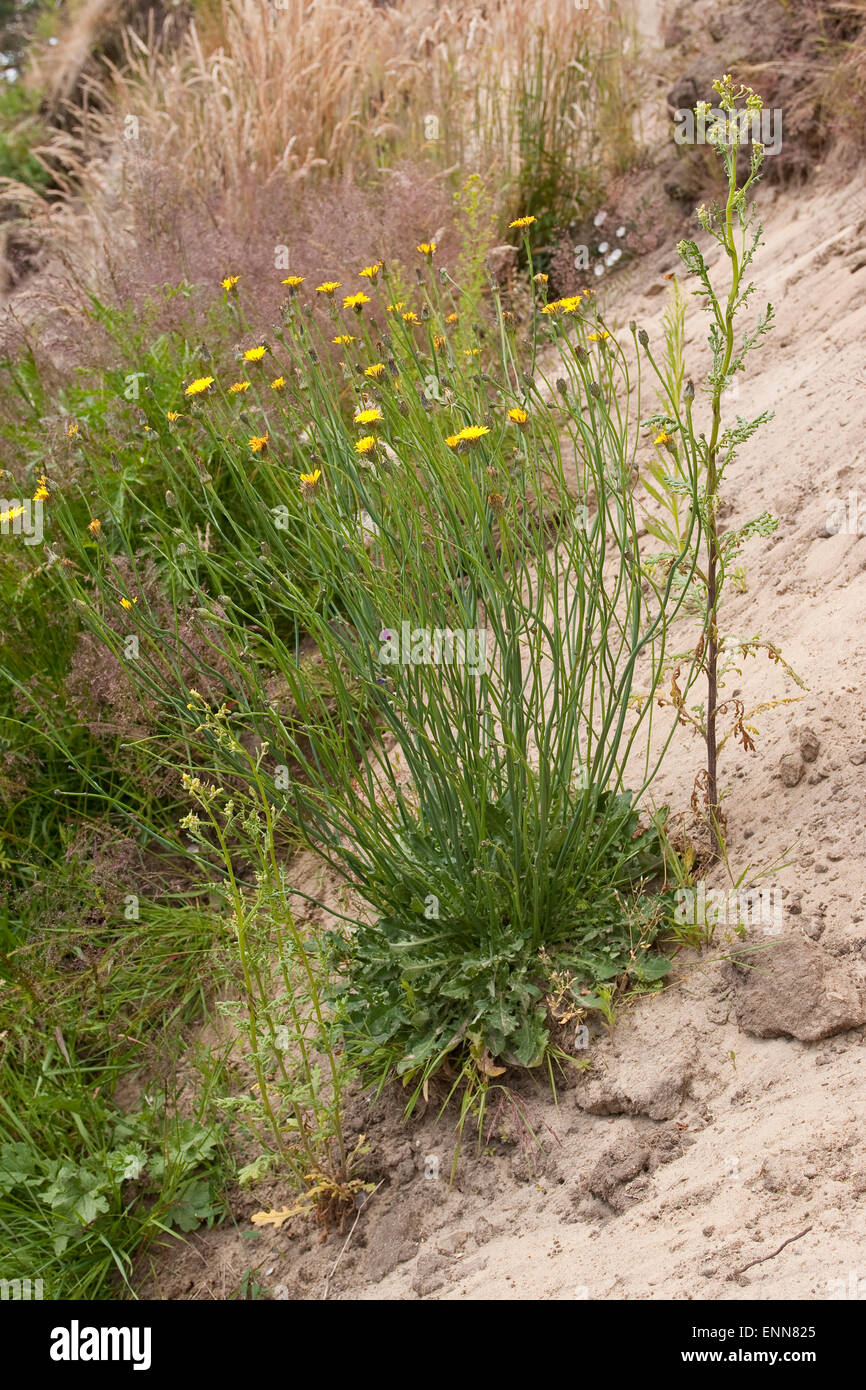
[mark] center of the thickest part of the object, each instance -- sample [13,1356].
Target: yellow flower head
[470,434]
[471,352]
[598,337]
[570,304]
[343,339]
[410,317]
[368,417]
[172,415]
[310,484]
[259,443]
[356,301]
[451,318]
[371,271]
[199,386]
[427,248]
[94,526]
[41,493]
[278,383]
[522,222]
[10,514]
[254,354]
[72,428]
[364,446]
[125,603]
[395,308]
[541,278]
[376,369]
[237,387]
[229,282]
[661,438]
[328,287]
[438,341]
[517,415]
[293,281]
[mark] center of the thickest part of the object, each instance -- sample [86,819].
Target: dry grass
[535,94]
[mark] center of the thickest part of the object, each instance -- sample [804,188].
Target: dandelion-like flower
[199,386]
[366,445]
[522,222]
[371,271]
[94,526]
[356,301]
[172,415]
[426,248]
[368,417]
[375,369]
[517,415]
[259,443]
[470,434]
[278,383]
[229,283]
[310,484]
[237,387]
[41,494]
[598,337]
[293,281]
[396,308]
[72,429]
[328,287]
[254,354]
[410,317]
[127,603]
[343,339]
[11,513]
[438,341]
[540,278]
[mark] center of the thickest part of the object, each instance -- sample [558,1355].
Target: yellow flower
[410,317]
[363,446]
[598,337]
[470,434]
[293,281]
[438,341]
[239,386]
[426,248]
[371,271]
[661,438]
[452,318]
[310,484]
[522,222]
[471,352]
[395,308]
[254,354]
[376,369]
[229,282]
[258,443]
[72,428]
[94,526]
[541,278]
[278,383]
[368,417]
[328,287]
[356,301]
[125,603]
[518,415]
[41,492]
[172,415]
[11,514]
[199,386]
[343,339]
